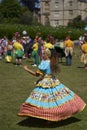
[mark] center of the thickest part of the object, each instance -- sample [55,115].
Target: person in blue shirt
[50,99]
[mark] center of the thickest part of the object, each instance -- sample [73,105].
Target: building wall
[60,12]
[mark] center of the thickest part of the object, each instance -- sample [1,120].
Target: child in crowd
[35,55]
[69,46]
[18,51]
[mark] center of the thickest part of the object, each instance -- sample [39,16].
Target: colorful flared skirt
[53,104]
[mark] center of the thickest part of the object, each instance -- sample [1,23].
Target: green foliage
[10,9]
[16,85]
[56,32]
[12,12]
[26,18]
[77,22]
[30,4]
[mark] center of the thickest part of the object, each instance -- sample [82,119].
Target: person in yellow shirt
[48,45]
[84,53]
[35,55]
[69,45]
[18,51]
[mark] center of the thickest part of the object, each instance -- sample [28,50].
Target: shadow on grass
[34,122]
[81,67]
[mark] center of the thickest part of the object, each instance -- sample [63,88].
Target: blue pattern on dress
[49,97]
[50,104]
[49,90]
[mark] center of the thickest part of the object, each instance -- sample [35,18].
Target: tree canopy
[77,22]
[29,3]
[10,9]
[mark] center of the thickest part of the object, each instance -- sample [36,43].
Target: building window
[56,1]
[56,13]
[46,3]
[70,3]
[56,22]
[47,20]
[70,12]
[56,5]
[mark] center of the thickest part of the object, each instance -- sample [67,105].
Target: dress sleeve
[45,67]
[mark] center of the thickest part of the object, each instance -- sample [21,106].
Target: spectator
[19,51]
[84,53]
[35,55]
[69,45]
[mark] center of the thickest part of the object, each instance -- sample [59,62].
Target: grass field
[16,85]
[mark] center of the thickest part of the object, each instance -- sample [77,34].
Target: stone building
[60,12]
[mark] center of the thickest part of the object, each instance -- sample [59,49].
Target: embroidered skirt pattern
[55,102]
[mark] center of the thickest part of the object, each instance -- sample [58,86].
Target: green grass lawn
[16,85]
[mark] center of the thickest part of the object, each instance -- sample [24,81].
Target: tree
[29,3]
[26,18]
[77,22]
[10,9]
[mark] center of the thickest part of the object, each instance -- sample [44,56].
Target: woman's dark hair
[54,61]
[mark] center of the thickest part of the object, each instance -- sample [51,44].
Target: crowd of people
[24,46]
